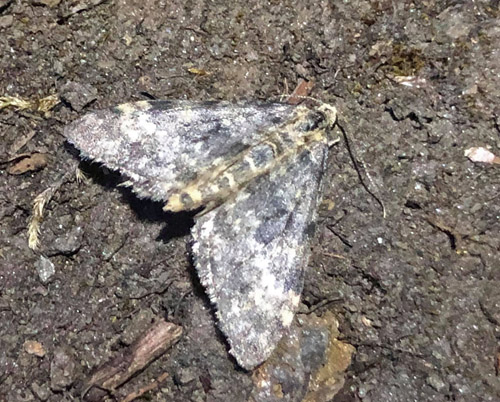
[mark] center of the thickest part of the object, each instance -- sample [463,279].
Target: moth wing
[251,252]
[162,145]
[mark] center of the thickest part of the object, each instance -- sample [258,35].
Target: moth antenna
[359,166]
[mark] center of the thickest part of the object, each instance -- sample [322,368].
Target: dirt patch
[415,293]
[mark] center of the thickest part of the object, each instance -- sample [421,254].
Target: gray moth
[253,173]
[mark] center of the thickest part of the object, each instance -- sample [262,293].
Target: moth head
[330,114]
[328,111]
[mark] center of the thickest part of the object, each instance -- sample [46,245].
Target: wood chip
[28,163]
[156,341]
[301,91]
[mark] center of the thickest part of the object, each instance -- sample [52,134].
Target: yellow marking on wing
[214,188]
[273,145]
[129,108]
[248,159]
[230,179]
[194,194]
[143,105]
[175,203]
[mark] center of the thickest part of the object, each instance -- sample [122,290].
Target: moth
[253,173]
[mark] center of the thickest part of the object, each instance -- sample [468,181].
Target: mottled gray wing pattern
[162,145]
[251,252]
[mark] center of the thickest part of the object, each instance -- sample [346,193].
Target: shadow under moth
[252,171]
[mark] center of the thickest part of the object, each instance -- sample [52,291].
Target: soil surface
[416,293]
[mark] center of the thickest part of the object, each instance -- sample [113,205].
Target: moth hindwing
[255,168]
